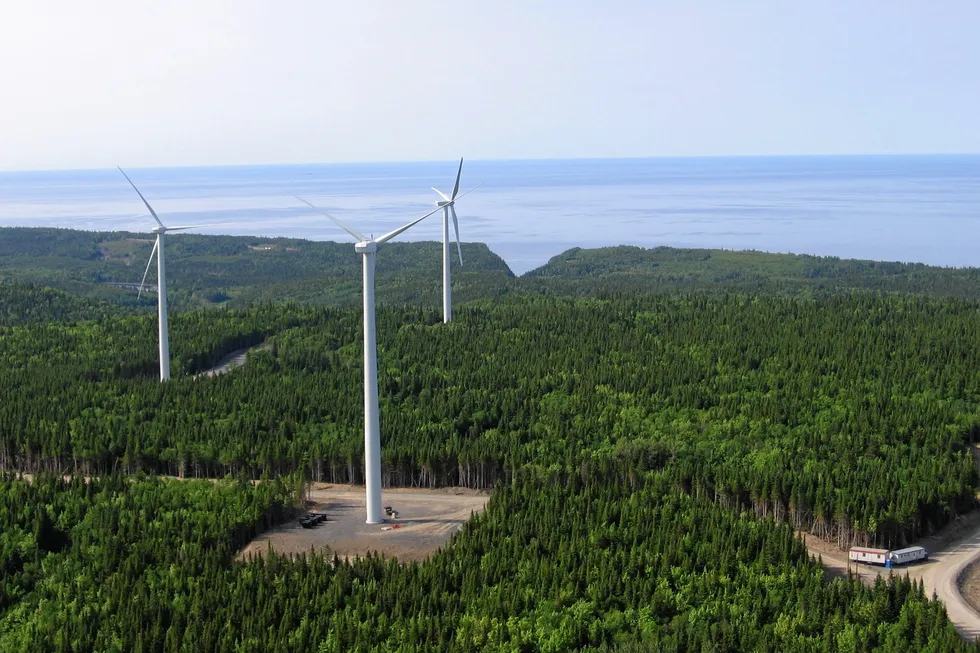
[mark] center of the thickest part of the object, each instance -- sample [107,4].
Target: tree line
[236,271]
[851,417]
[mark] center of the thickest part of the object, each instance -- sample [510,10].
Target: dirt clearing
[426,520]
[233,360]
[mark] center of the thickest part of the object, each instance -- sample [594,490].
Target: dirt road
[944,579]
[950,554]
[232,360]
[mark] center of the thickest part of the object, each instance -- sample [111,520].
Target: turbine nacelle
[366,247]
[159,229]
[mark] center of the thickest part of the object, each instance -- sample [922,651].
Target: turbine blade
[152,212]
[441,194]
[153,251]
[193,226]
[471,190]
[458,173]
[459,249]
[391,234]
[360,237]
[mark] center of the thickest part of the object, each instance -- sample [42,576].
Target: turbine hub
[443,203]
[158,229]
[366,247]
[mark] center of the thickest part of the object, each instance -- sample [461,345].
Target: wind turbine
[448,205]
[367,247]
[159,230]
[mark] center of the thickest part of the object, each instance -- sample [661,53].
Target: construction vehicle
[311,519]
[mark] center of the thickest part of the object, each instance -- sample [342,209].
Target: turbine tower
[367,248]
[159,230]
[448,206]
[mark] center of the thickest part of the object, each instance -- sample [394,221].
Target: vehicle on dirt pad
[311,519]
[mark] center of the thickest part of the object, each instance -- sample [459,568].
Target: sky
[184,83]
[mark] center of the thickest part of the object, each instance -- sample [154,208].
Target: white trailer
[905,556]
[868,556]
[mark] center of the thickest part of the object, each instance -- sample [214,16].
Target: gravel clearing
[426,520]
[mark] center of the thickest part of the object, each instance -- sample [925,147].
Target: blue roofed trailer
[905,556]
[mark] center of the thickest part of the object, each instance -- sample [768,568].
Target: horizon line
[501,160]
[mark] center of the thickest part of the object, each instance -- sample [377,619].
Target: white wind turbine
[367,248]
[159,230]
[448,205]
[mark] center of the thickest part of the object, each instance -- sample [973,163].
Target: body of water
[895,208]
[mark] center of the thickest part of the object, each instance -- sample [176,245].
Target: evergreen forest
[656,427]
[556,563]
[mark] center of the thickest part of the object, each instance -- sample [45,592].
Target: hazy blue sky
[93,84]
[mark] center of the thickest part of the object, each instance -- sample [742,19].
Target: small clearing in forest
[426,520]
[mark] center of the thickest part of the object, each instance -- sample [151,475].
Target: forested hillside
[236,271]
[21,303]
[654,423]
[556,563]
[205,271]
[851,416]
[608,270]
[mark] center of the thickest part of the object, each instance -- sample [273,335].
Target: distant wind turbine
[448,205]
[159,230]
[367,247]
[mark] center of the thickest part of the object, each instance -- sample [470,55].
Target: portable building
[868,556]
[905,556]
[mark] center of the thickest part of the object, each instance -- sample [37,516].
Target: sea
[910,208]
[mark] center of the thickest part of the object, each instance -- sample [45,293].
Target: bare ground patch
[233,360]
[969,585]
[124,249]
[426,520]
